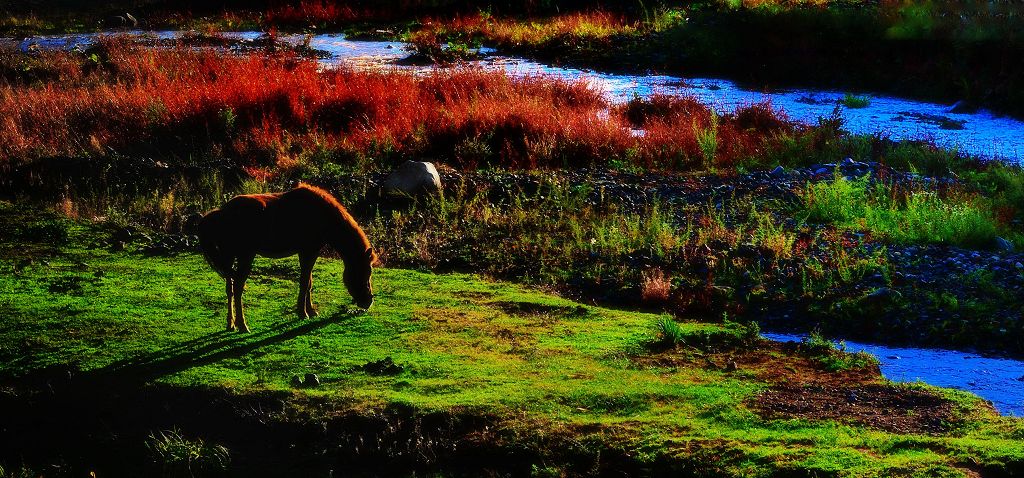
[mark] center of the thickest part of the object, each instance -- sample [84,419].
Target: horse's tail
[210,228]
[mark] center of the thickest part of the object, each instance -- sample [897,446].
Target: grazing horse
[301,221]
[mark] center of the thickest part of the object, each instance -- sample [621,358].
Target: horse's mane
[343,215]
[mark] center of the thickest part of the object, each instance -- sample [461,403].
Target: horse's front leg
[241,275]
[304,306]
[231,313]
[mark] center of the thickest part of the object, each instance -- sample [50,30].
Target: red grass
[269,111]
[316,12]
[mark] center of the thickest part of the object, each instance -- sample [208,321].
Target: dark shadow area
[205,350]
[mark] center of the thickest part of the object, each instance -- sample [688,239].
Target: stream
[980,133]
[998,380]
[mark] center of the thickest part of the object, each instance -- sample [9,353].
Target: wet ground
[998,380]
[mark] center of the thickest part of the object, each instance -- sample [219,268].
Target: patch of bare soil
[801,387]
[888,407]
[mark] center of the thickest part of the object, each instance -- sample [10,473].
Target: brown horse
[300,221]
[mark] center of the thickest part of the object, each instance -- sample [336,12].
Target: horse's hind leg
[231,314]
[304,306]
[241,274]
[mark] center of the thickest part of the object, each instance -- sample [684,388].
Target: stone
[883,294]
[384,366]
[412,178]
[778,173]
[1004,245]
[311,380]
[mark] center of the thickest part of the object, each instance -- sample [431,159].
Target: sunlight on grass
[901,216]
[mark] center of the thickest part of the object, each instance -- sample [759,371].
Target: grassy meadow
[565,386]
[583,297]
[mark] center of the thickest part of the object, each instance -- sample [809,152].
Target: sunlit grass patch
[906,216]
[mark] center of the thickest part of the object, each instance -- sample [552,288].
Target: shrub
[655,287]
[669,333]
[853,101]
[180,456]
[835,357]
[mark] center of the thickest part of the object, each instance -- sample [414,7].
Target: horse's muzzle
[364,304]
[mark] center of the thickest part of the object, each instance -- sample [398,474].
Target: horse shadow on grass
[204,350]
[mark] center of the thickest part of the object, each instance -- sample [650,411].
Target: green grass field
[535,364]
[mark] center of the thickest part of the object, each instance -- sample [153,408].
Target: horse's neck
[347,240]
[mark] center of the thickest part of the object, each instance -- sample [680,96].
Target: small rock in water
[1018,265]
[778,172]
[893,357]
[1021,379]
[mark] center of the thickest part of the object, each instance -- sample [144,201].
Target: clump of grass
[670,335]
[21,472]
[426,44]
[906,216]
[180,456]
[851,100]
[574,27]
[317,13]
[707,139]
[655,287]
[834,357]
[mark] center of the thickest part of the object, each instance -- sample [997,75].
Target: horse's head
[357,278]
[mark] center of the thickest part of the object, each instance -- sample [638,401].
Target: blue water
[994,379]
[983,133]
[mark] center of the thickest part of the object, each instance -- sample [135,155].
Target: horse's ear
[372,257]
